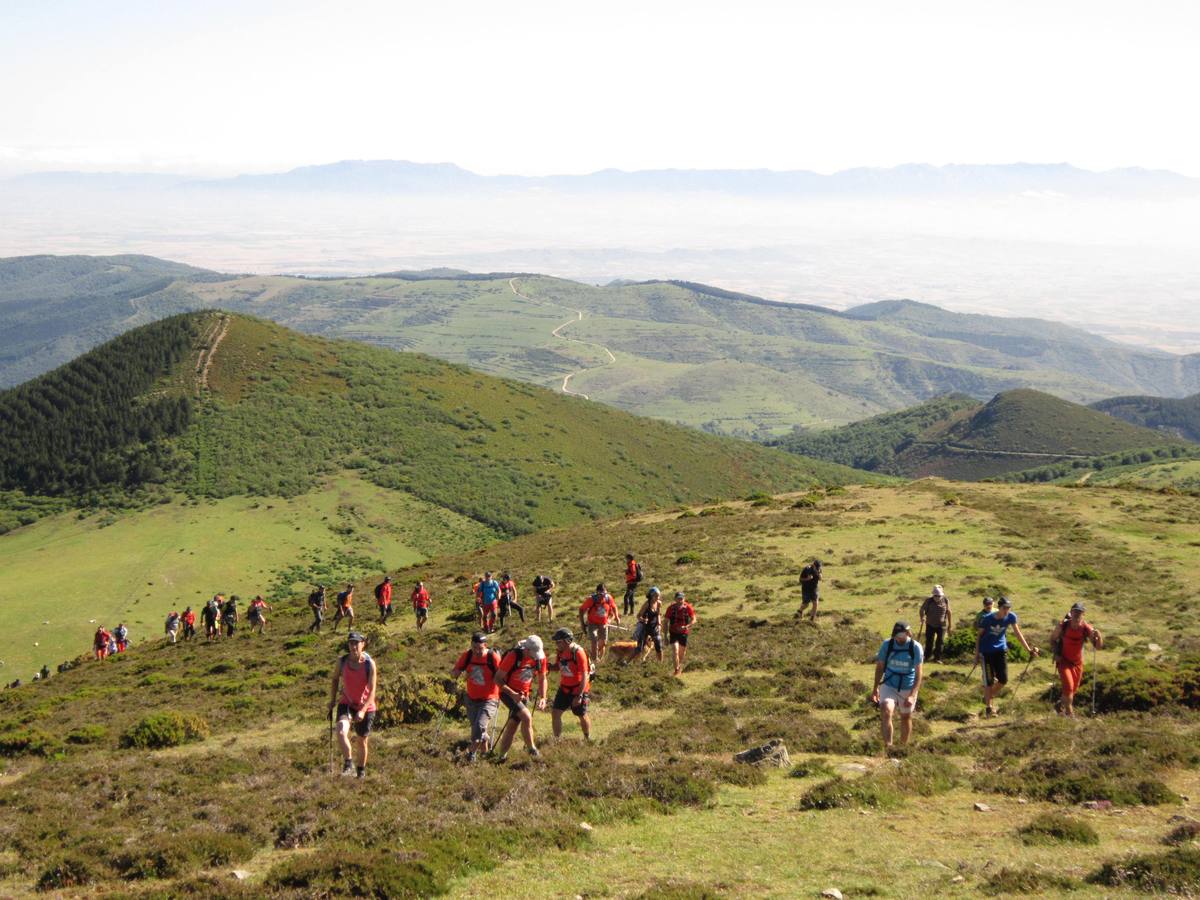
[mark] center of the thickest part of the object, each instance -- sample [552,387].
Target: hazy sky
[539,87]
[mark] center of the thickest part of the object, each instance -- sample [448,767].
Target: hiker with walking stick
[483,693]
[991,647]
[1067,644]
[898,672]
[354,703]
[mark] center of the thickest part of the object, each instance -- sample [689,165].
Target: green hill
[954,437]
[677,351]
[259,458]
[1178,417]
[165,770]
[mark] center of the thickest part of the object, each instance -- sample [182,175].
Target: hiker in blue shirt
[898,672]
[991,649]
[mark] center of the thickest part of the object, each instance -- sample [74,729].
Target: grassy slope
[750,367]
[882,547]
[1180,417]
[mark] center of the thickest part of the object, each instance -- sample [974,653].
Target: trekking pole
[1095,679]
[331,753]
[1017,686]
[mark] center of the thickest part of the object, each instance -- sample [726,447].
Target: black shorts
[513,706]
[564,699]
[806,599]
[544,599]
[680,639]
[421,612]
[363,728]
[995,667]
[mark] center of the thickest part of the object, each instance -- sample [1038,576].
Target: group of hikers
[344,605]
[899,664]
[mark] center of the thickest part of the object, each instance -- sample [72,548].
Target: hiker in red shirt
[518,668]
[420,604]
[574,681]
[257,613]
[483,694]
[345,607]
[1068,640]
[355,703]
[100,642]
[189,624]
[383,599]
[680,617]
[594,615]
[508,599]
[633,577]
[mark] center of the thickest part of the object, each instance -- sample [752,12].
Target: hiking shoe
[362,771]
[501,759]
[472,756]
[988,712]
[347,769]
[535,752]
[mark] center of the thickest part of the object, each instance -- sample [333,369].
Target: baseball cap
[679,595]
[1077,607]
[355,637]
[988,601]
[1004,601]
[654,590]
[899,627]
[533,646]
[937,591]
[564,634]
[479,638]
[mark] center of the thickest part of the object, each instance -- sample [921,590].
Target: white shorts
[890,697]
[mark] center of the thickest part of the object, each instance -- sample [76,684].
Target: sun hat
[533,646]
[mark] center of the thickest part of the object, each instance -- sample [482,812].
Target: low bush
[811,768]
[1176,871]
[87,734]
[356,874]
[28,742]
[851,793]
[165,729]
[1183,833]
[1027,881]
[414,698]
[69,871]
[1057,828]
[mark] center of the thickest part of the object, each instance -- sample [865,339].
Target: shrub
[1176,871]
[87,734]
[810,768]
[1054,827]
[685,559]
[161,856]
[165,729]
[414,698]
[1027,881]
[68,871]
[842,793]
[1182,834]
[356,874]
[28,742]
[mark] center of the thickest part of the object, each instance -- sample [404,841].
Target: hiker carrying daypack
[508,599]
[229,615]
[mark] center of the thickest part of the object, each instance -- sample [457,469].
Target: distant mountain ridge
[1176,416]
[404,176]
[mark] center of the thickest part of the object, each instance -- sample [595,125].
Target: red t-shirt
[520,676]
[572,667]
[189,618]
[385,594]
[680,616]
[102,638]
[598,611]
[1073,637]
[420,598]
[481,678]
[356,685]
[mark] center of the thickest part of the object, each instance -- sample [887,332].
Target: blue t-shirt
[995,632]
[901,669]
[488,591]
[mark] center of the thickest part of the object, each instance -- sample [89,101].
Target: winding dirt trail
[512,283]
[207,354]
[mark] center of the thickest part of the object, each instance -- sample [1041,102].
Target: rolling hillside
[678,351]
[955,438]
[257,457]
[1179,417]
[225,755]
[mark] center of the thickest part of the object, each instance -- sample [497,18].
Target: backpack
[315,599]
[912,655]
[230,609]
[1056,645]
[379,591]
[367,661]
[637,573]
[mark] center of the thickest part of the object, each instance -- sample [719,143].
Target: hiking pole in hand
[1017,686]
[331,753]
[1095,679]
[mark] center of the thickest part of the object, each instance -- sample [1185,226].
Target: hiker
[383,599]
[483,694]
[257,613]
[633,577]
[988,608]
[420,604]
[45,672]
[899,668]
[121,636]
[189,624]
[594,615]
[508,599]
[991,648]
[810,588]
[650,623]
[935,621]
[680,615]
[100,642]
[345,607]
[172,625]
[488,596]
[211,614]
[574,682]
[355,702]
[518,667]
[316,602]
[229,614]
[1067,643]
[543,591]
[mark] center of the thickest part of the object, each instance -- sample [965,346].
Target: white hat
[533,646]
[937,591]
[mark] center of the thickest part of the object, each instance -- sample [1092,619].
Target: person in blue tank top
[899,668]
[991,649]
[489,596]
